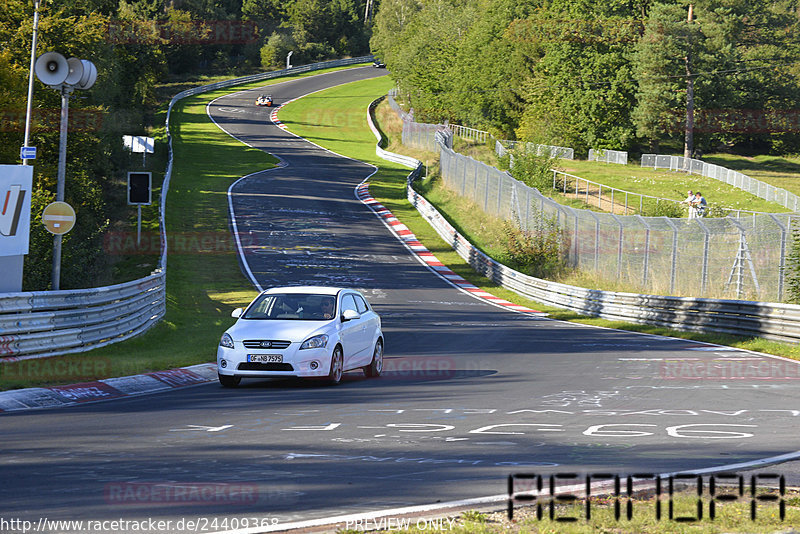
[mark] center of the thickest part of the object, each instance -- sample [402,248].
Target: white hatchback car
[303,331]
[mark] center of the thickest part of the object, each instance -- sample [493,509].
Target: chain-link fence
[728,257]
[731,177]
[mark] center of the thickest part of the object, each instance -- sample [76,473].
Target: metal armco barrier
[49,323]
[776,321]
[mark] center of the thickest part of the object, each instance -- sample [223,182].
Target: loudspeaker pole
[66,90]
[63,75]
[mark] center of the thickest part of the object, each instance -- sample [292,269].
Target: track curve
[471,393]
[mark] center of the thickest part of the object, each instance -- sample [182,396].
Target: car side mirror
[349,315]
[237,313]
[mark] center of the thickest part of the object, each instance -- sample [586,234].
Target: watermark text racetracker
[729,369]
[184,243]
[46,370]
[200,524]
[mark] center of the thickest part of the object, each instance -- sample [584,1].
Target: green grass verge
[203,286]
[666,184]
[345,131]
[728,517]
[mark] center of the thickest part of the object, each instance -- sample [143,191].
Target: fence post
[782,262]
[485,190]
[596,240]
[673,267]
[619,246]
[587,192]
[527,207]
[646,250]
[499,193]
[575,238]
[706,242]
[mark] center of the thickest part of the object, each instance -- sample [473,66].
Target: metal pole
[62,167]
[706,240]
[782,262]
[674,266]
[646,265]
[30,77]
[139,226]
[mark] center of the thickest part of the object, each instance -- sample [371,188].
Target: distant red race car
[264,100]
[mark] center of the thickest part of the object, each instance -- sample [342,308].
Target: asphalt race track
[471,392]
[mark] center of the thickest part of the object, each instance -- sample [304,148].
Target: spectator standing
[699,204]
[690,201]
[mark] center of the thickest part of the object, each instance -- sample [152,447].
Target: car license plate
[265,358]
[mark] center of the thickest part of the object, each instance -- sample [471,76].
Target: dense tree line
[136,45]
[601,74]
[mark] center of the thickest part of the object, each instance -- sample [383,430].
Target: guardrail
[776,321]
[40,324]
[48,323]
[406,161]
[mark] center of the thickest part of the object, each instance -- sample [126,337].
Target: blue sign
[27,152]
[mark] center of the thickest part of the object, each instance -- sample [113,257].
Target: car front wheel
[374,369]
[229,381]
[337,367]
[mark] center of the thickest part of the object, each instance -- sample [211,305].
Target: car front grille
[262,344]
[258,366]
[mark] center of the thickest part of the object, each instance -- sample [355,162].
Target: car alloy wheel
[375,368]
[337,366]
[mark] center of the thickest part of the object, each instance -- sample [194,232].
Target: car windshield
[292,306]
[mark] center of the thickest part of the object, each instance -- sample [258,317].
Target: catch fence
[713,257]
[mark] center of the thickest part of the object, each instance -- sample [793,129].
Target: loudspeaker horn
[51,68]
[89,75]
[75,71]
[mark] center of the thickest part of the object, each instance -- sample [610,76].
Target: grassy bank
[679,514]
[340,132]
[203,284]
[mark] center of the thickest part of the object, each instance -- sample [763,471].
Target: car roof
[319,290]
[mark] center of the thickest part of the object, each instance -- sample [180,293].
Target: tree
[739,59]
[580,91]
[663,59]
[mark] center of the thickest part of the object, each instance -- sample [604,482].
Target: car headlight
[226,341]
[316,342]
